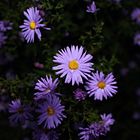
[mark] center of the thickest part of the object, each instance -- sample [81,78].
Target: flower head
[45,86]
[32,25]
[73,63]
[51,112]
[101,86]
[136,15]
[79,94]
[19,113]
[107,121]
[97,129]
[91,8]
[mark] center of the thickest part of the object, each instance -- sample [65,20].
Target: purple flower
[45,86]
[136,15]
[51,112]
[19,113]
[97,129]
[32,25]
[73,63]
[91,8]
[137,39]
[107,121]
[79,94]
[39,134]
[5,25]
[2,39]
[101,86]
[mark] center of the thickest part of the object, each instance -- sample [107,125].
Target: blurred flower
[32,25]
[39,134]
[97,129]
[51,112]
[5,25]
[79,94]
[74,64]
[91,8]
[45,86]
[38,65]
[136,116]
[101,86]
[136,15]
[2,39]
[137,39]
[19,113]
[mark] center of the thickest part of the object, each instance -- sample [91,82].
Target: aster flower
[5,25]
[2,39]
[32,25]
[97,129]
[91,8]
[51,112]
[137,39]
[107,121]
[45,86]
[79,94]
[101,86]
[39,134]
[136,15]
[73,63]
[19,112]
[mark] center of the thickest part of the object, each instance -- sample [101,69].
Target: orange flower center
[32,25]
[50,111]
[101,85]
[73,65]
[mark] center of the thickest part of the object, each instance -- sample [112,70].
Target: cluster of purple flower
[97,129]
[73,64]
[136,17]
[4,26]
[48,107]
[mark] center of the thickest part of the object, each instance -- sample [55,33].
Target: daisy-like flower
[137,39]
[32,25]
[97,129]
[107,121]
[19,113]
[101,86]
[91,8]
[136,15]
[73,63]
[45,86]
[51,112]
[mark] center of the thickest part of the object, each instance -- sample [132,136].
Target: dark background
[107,35]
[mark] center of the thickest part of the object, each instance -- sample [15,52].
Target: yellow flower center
[32,25]
[73,65]
[101,85]
[50,111]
